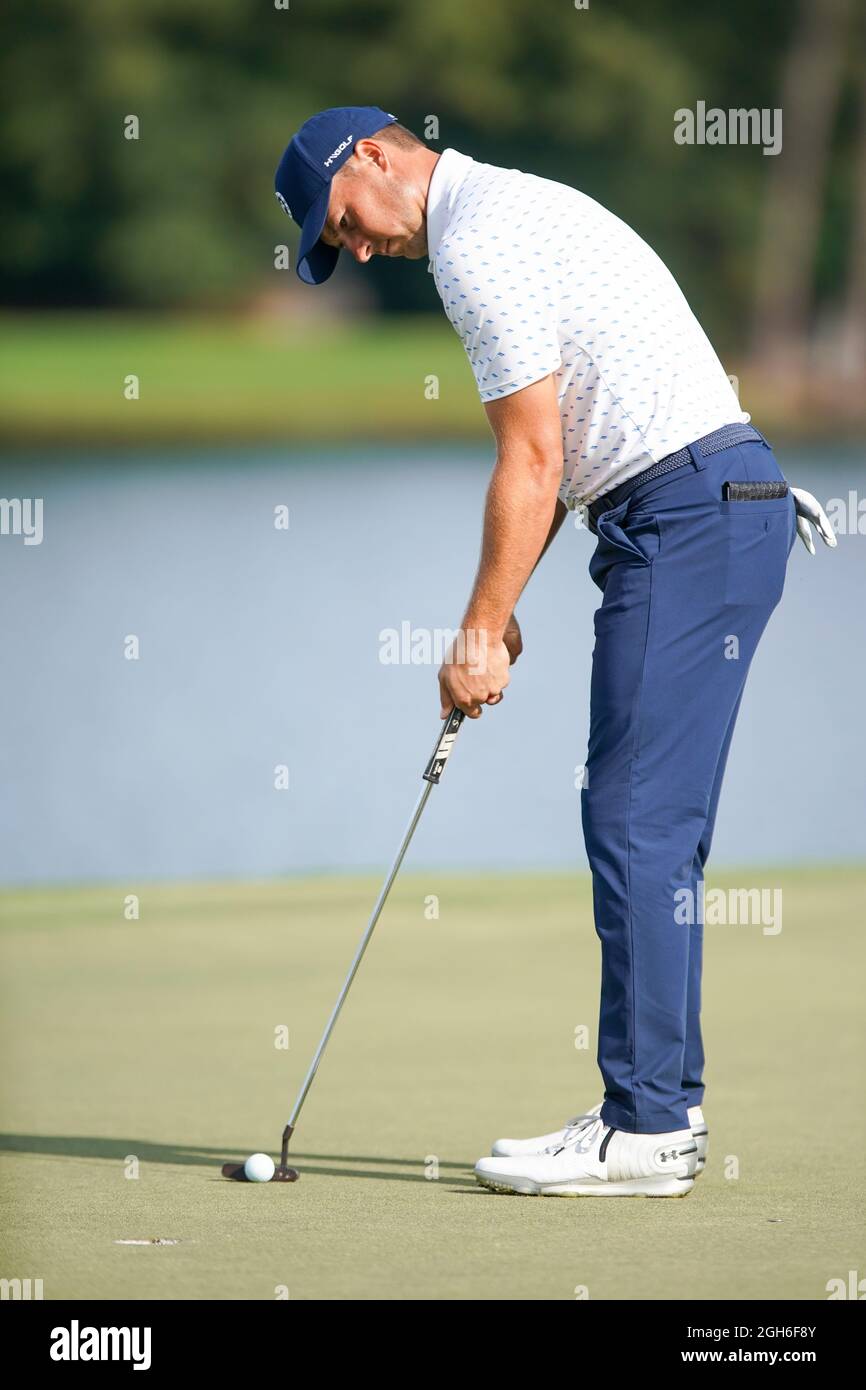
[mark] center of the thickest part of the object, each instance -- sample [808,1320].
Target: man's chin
[414,250]
[411,250]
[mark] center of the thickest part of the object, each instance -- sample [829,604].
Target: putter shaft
[431,775]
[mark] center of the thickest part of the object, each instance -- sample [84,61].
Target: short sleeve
[504,308]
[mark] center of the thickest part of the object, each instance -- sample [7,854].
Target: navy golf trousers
[689,583]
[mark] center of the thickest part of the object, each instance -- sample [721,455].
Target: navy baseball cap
[303,178]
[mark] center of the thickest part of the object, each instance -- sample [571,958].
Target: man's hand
[478,677]
[512,639]
[810,509]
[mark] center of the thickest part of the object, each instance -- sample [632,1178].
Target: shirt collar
[449,172]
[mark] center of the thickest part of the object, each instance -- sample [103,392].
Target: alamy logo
[22,516]
[423,646]
[855,1287]
[736,907]
[21,1289]
[339,150]
[735,127]
[76,1343]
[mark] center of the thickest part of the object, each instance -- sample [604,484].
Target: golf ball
[259,1168]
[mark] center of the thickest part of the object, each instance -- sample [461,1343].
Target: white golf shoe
[596,1160]
[518,1148]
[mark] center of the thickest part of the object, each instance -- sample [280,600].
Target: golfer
[604,394]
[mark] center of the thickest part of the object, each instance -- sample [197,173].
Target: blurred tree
[854,308]
[185,214]
[811,92]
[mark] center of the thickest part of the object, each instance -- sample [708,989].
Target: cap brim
[316,261]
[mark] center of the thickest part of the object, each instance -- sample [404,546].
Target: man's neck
[430,159]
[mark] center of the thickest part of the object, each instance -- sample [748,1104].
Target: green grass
[223,380]
[154,1039]
[269,379]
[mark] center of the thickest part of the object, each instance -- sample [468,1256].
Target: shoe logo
[678,1153]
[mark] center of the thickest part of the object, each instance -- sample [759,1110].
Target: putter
[431,776]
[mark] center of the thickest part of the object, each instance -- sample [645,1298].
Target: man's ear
[370,151]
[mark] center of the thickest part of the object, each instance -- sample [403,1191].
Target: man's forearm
[559,516]
[521,518]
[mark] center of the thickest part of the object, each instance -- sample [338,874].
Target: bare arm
[512,636]
[521,516]
[559,516]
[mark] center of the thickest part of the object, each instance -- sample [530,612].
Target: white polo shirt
[538,278]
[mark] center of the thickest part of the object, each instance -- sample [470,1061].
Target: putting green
[148,1047]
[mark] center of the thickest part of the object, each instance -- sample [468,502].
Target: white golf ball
[259,1168]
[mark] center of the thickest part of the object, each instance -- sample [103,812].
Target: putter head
[282,1173]
[235,1171]
[285,1174]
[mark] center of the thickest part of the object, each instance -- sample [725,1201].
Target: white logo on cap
[283,204]
[339,150]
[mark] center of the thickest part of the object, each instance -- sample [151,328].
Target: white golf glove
[810,509]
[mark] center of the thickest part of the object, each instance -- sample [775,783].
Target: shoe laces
[579,1133]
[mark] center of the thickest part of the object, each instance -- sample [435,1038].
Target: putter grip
[444,744]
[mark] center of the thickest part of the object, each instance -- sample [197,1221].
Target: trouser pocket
[758,540]
[636,537]
[626,547]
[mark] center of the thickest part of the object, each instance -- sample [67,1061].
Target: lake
[261,649]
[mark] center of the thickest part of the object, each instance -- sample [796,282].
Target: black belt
[723,438]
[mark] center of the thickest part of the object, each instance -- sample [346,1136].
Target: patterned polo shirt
[538,278]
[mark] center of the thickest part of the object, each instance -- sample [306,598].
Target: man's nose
[360,248]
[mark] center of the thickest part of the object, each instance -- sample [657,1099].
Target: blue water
[261,647]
